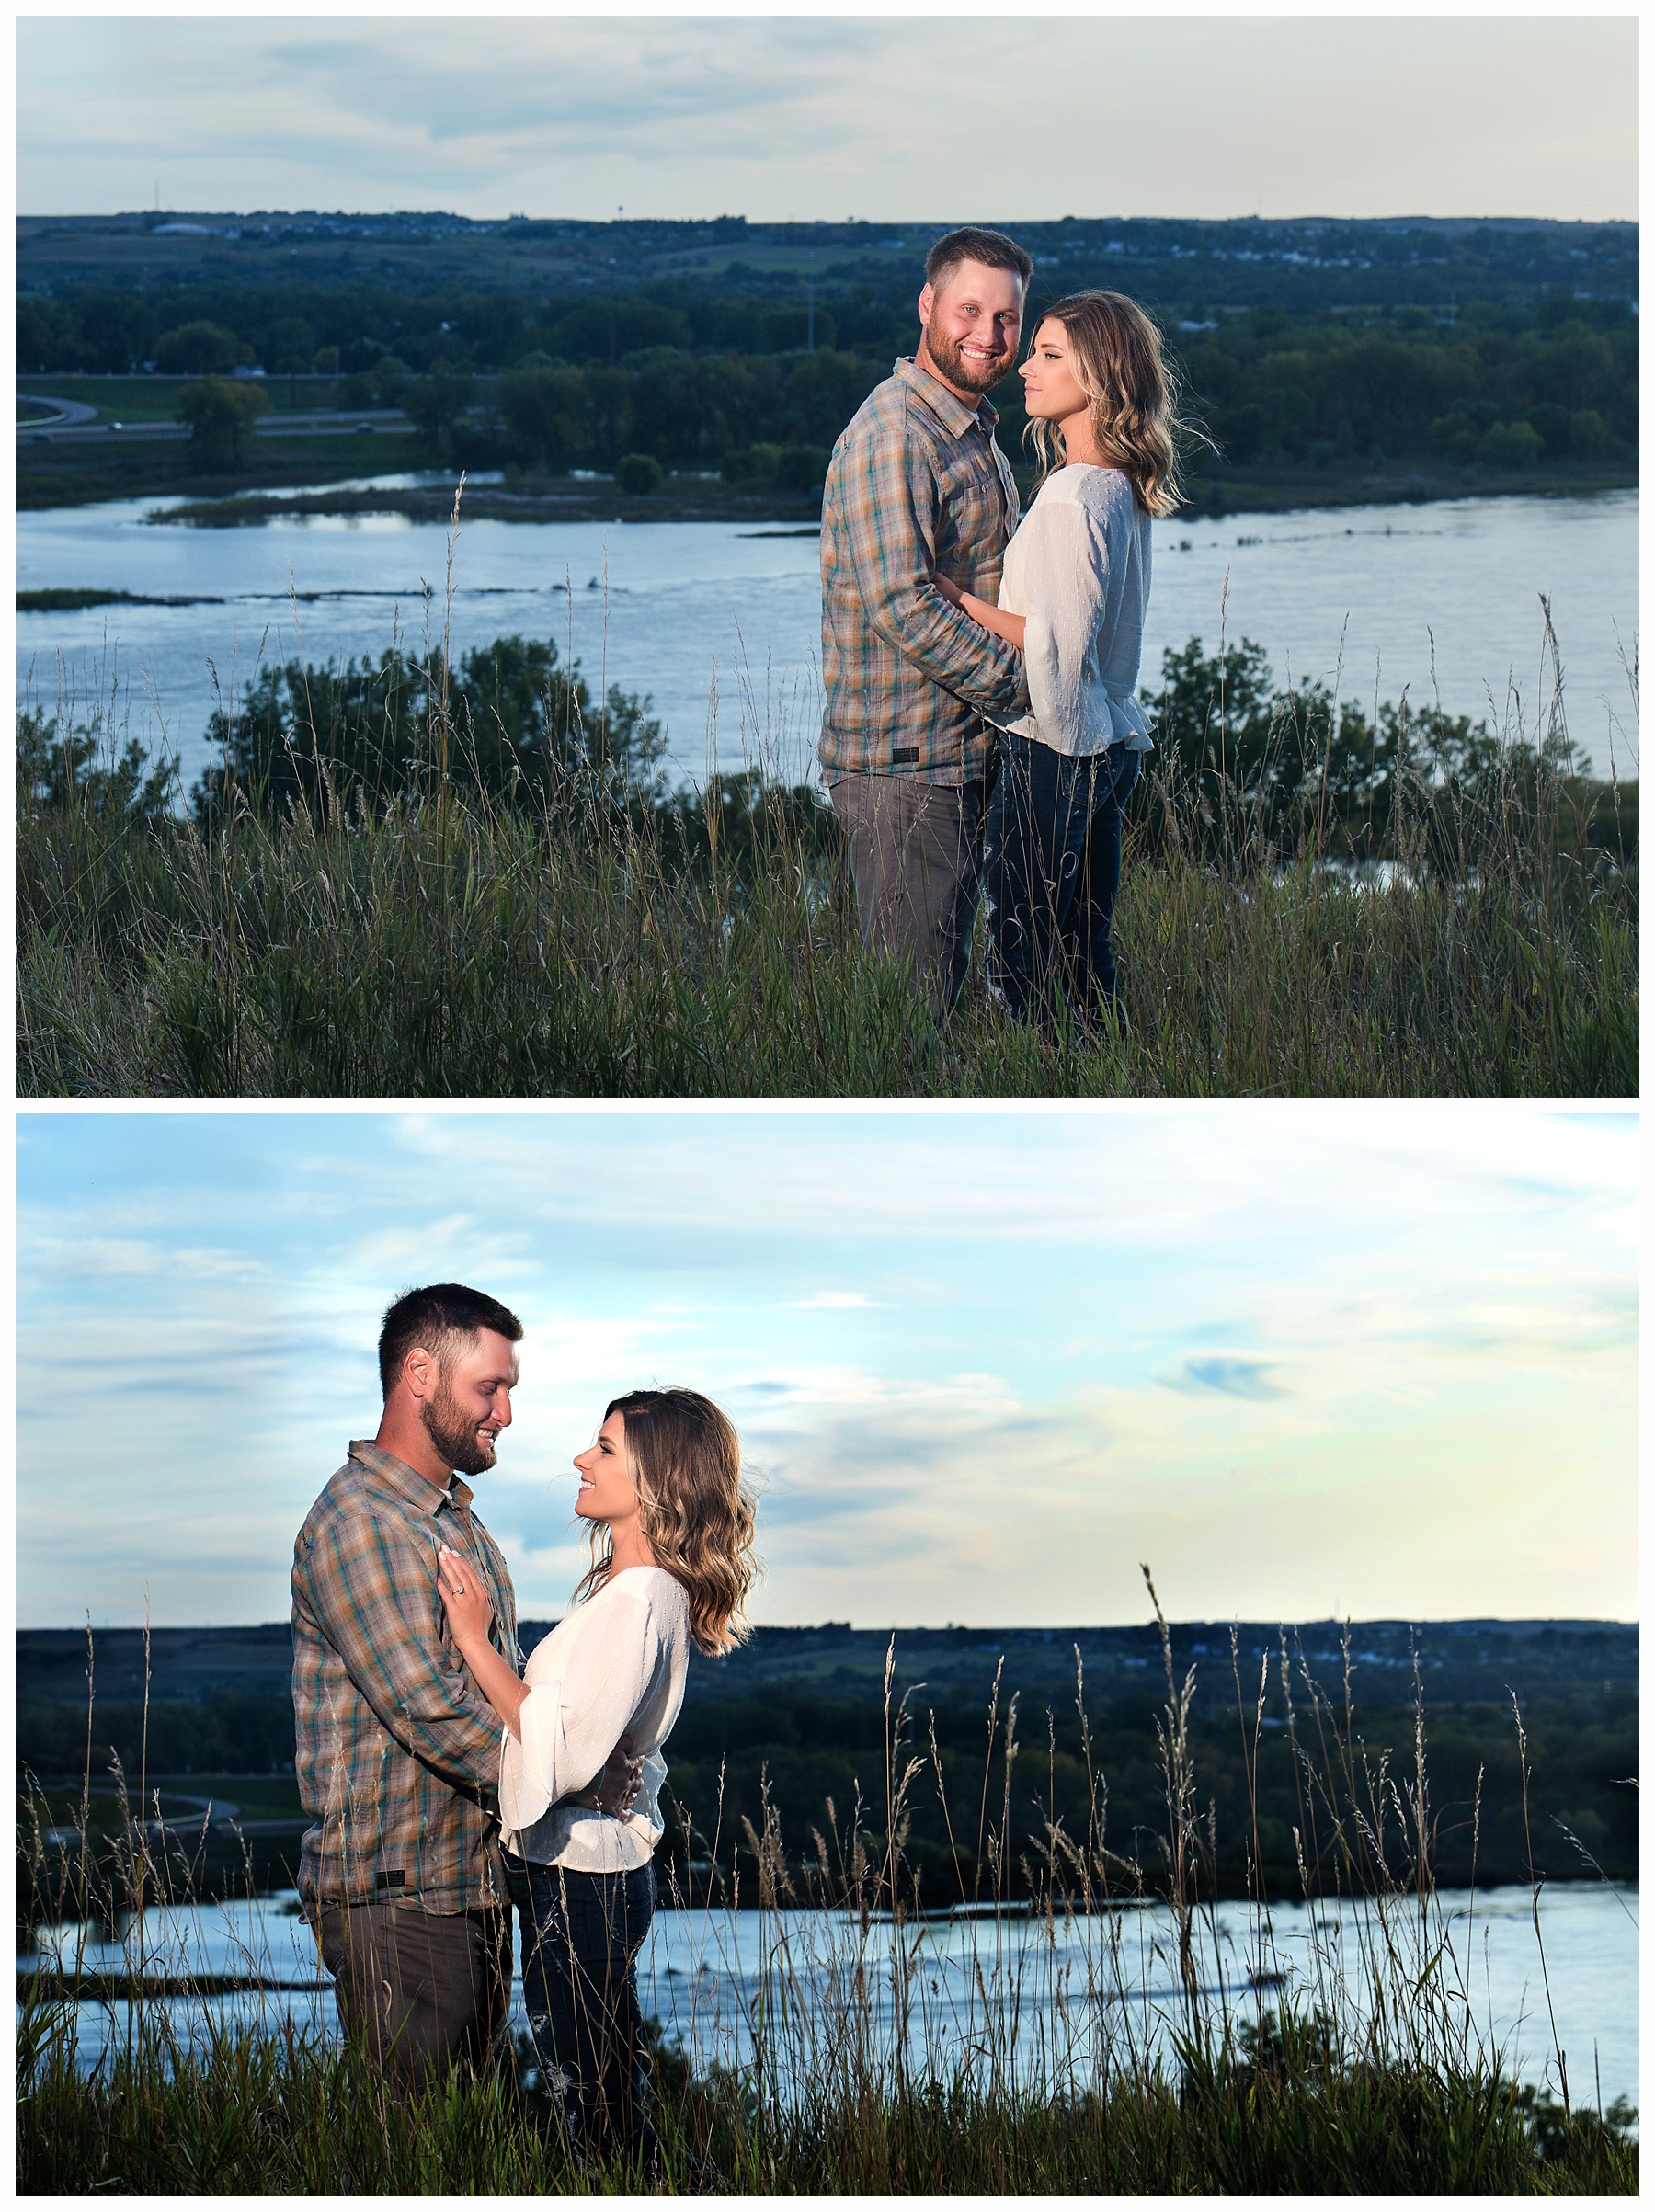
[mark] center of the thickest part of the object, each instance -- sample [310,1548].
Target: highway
[74,423]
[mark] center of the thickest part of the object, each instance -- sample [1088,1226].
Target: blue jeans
[1052,868]
[581,1937]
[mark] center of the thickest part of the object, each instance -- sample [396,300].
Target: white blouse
[1079,569]
[614,1667]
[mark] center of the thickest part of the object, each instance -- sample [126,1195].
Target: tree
[437,401]
[602,330]
[221,414]
[1511,445]
[546,411]
[118,330]
[822,392]
[289,346]
[198,349]
[392,380]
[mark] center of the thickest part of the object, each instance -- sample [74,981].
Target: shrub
[750,464]
[505,725]
[638,473]
[409,875]
[803,468]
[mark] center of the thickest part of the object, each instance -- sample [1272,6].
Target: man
[918,487]
[398,1752]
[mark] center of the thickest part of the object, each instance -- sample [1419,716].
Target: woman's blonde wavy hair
[1135,395]
[684,1458]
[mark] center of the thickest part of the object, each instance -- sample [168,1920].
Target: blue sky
[1377,1360]
[923,117]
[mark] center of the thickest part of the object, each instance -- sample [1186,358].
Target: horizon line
[809,222]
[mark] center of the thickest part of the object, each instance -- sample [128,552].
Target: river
[1047,2000]
[718,623]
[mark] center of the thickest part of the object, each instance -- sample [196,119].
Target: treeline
[1251,773]
[804,1748]
[295,330]
[224,1734]
[1503,386]
[691,380]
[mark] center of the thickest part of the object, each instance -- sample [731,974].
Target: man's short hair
[993,248]
[440,1317]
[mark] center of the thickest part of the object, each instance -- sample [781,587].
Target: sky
[1372,1361]
[967,114]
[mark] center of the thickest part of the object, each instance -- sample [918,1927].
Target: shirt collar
[948,406]
[421,1493]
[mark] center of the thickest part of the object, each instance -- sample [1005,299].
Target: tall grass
[456,937]
[460,951]
[854,2064]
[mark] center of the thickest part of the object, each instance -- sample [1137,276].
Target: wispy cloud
[1318,1363]
[1228,1376]
[803,117]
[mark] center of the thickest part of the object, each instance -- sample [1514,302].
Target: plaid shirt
[916,488]
[398,1750]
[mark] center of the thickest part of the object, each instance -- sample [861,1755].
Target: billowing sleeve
[1065,579]
[569,1728]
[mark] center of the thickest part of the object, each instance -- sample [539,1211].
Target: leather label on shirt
[390,1878]
[905,755]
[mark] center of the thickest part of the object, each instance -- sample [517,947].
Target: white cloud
[1368,1319]
[801,116]
[115,1257]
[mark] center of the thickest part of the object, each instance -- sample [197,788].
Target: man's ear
[419,1373]
[928,299]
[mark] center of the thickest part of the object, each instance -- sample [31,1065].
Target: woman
[663,1483]
[1102,407]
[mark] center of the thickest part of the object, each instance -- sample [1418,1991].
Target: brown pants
[916,860]
[420,1989]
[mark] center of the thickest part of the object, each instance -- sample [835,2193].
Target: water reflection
[1037,2004]
[1441,600]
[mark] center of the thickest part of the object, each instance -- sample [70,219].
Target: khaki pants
[420,1989]
[916,860]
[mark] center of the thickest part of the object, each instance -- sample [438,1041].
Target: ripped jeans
[581,1934]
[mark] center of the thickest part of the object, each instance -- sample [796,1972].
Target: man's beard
[971,376]
[455,1435]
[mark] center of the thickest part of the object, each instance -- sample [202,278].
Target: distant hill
[1243,262]
[1459,1659]
[799,1718]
